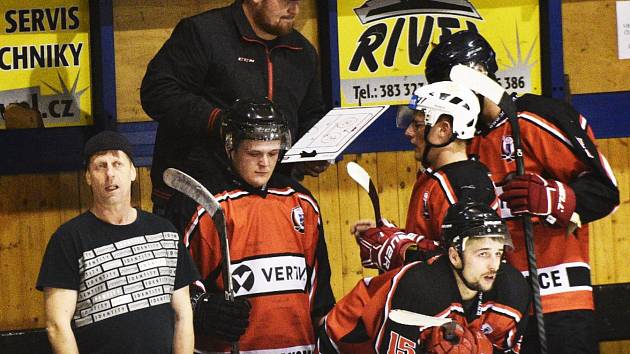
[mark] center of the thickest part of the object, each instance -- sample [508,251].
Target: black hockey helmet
[255,119]
[472,219]
[463,47]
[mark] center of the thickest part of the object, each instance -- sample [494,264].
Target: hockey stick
[359,175]
[416,319]
[487,87]
[189,186]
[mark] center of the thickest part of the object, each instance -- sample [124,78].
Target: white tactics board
[333,133]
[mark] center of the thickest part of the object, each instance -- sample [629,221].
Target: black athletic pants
[568,332]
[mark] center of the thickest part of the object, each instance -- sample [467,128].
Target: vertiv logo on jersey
[269,274]
[383,44]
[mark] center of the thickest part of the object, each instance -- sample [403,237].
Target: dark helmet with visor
[255,119]
[465,47]
[468,219]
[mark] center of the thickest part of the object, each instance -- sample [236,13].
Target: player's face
[109,175]
[481,261]
[255,160]
[415,133]
[275,17]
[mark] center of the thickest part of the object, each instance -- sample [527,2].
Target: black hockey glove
[215,315]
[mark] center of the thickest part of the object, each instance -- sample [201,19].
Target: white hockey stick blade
[359,175]
[184,183]
[416,319]
[477,82]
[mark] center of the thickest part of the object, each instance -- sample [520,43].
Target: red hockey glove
[533,194]
[383,247]
[453,338]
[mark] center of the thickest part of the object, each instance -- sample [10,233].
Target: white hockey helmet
[443,97]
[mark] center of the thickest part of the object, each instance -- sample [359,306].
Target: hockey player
[486,298]
[439,122]
[281,274]
[567,184]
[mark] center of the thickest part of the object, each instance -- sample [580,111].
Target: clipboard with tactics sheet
[333,133]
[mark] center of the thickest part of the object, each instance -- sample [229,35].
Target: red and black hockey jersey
[436,190]
[552,153]
[359,323]
[279,263]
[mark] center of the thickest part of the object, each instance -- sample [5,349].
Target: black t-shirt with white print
[125,276]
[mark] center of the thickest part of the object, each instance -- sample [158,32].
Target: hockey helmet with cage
[255,119]
[439,98]
[471,219]
[464,47]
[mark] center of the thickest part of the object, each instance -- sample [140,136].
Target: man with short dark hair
[248,49]
[115,278]
[486,298]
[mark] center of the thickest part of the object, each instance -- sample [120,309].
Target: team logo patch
[297,216]
[486,329]
[425,205]
[507,148]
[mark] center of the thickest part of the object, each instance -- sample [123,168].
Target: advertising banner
[44,64]
[383,44]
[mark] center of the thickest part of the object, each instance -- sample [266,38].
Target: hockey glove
[383,247]
[214,315]
[454,338]
[530,193]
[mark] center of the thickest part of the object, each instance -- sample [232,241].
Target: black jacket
[209,61]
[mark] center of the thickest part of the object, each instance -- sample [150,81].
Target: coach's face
[255,160]
[274,17]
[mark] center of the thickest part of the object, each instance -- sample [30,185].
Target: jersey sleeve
[320,292]
[596,190]
[427,210]
[322,295]
[508,314]
[202,240]
[596,194]
[352,325]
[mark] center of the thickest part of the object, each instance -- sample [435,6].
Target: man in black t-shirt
[115,278]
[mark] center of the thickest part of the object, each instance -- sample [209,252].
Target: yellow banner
[44,64]
[383,44]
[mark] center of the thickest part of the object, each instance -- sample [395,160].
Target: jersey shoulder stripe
[192,226]
[445,185]
[309,200]
[548,127]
